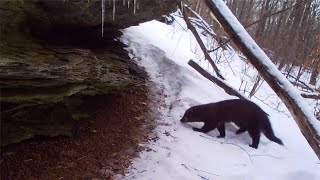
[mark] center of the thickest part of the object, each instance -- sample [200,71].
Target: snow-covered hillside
[181,153]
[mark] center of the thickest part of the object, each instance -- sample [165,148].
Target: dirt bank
[103,146]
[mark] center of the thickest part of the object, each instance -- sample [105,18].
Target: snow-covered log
[308,124]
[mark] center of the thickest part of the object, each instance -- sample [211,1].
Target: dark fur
[245,114]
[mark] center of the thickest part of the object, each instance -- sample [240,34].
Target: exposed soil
[103,146]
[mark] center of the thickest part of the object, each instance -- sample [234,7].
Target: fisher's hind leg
[222,130]
[255,135]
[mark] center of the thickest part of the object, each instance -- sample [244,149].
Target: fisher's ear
[191,110]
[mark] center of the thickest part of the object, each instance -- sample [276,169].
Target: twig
[262,155]
[198,170]
[209,51]
[180,24]
[142,171]
[177,44]
[224,55]
[81,158]
[250,155]
[229,144]
[242,149]
[264,102]
[195,173]
[205,24]
[221,45]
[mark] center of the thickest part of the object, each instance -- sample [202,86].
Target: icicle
[124,2]
[128,4]
[134,6]
[138,4]
[102,15]
[109,2]
[114,10]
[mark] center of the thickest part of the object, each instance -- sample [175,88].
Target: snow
[180,152]
[259,53]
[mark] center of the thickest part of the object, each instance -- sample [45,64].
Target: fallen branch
[299,83]
[303,85]
[202,46]
[311,96]
[229,90]
[222,45]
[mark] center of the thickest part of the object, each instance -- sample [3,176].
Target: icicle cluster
[103,7]
[135,4]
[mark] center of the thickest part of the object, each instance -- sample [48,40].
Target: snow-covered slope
[180,152]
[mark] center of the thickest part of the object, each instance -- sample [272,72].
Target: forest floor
[103,146]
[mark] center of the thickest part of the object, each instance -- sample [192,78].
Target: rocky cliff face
[52,56]
[118,13]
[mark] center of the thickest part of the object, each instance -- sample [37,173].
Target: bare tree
[288,29]
[302,118]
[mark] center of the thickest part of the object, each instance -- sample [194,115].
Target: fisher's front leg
[206,128]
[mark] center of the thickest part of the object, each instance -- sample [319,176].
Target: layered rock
[53,56]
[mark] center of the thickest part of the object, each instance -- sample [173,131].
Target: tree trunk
[281,65]
[315,72]
[314,75]
[269,72]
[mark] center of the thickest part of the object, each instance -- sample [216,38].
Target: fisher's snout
[184,119]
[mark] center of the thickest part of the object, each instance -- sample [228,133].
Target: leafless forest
[288,30]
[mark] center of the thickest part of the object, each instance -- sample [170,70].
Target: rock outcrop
[53,56]
[87,13]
